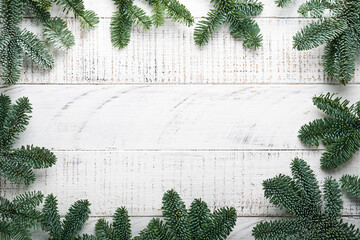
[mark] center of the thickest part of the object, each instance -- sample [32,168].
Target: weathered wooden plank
[198,8]
[138,179]
[171,117]
[168,55]
[242,229]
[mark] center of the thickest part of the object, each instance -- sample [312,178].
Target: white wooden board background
[210,122]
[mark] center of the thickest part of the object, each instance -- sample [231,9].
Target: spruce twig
[301,197]
[15,42]
[16,164]
[237,14]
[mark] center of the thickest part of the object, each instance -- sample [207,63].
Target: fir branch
[223,222]
[310,222]
[318,33]
[88,18]
[122,224]
[249,7]
[175,214]
[158,14]
[44,3]
[27,201]
[199,218]
[340,131]
[244,27]
[35,157]
[86,237]
[237,15]
[20,215]
[205,28]
[16,164]
[197,223]
[351,184]
[14,41]
[5,106]
[51,217]
[332,198]
[307,185]
[120,27]
[339,30]
[15,122]
[35,50]
[178,12]
[104,230]
[11,12]
[314,8]
[156,229]
[14,171]
[282,3]
[56,33]
[130,15]
[140,17]
[11,60]
[278,229]
[37,10]
[341,151]
[327,130]
[74,220]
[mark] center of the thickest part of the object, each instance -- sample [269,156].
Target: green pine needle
[51,217]
[88,18]
[130,15]
[158,14]
[337,28]
[207,27]
[17,164]
[300,196]
[332,198]
[178,12]
[282,3]
[120,26]
[56,33]
[340,131]
[175,214]
[122,224]
[35,50]
[14,41]
[237,15]
[197,223]
[317,33]
[75,219]
[351,184]
[19,216]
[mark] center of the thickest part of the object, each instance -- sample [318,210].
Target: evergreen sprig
[237,14]
[179,223]
[351,184]
[16,164]
[339,31]
[19,216]
[15,42]
[300,196]
[130,15]
[339,131]
[74,220]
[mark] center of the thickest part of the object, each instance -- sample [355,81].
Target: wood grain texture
[210,122]
[241,231]
[168,55]
[141,117]
[138,179]
[198,8]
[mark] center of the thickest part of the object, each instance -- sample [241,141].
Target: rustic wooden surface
[210,122]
